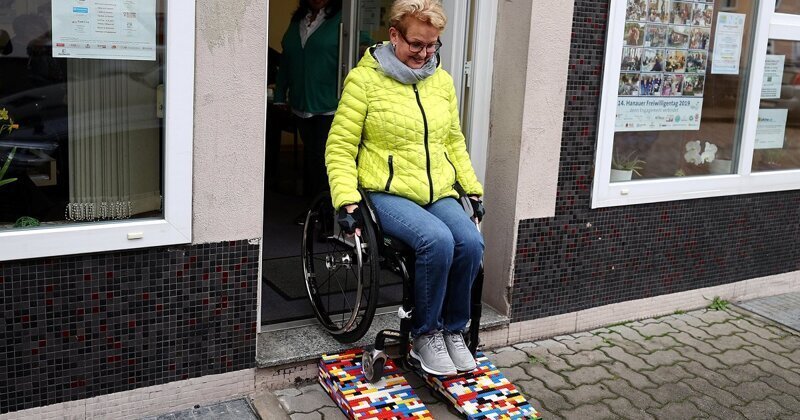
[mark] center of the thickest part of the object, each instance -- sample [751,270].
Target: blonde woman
[396,134]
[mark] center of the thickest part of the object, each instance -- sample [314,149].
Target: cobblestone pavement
[728,364]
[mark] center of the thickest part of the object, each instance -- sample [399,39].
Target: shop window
[87,140]
[698,101]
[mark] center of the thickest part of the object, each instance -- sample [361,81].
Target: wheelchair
[342,276]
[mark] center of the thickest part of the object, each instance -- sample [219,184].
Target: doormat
[784,309]
[285,276]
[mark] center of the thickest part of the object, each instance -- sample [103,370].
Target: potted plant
[623,167]
[698,155]
[6,126]
[772,159]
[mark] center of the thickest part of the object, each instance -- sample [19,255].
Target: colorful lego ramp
[481,394]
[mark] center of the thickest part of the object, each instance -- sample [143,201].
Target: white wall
[229,123]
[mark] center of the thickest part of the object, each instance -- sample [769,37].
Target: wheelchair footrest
[483,393]
[391,397]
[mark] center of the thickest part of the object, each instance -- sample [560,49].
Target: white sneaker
[459,353]
[431,353]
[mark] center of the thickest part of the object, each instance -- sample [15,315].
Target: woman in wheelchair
[396,135]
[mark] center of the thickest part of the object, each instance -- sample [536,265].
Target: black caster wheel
[372,362]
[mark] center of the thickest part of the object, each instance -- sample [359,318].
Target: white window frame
[744,181]
[176,225]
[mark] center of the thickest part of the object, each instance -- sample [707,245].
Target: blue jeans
[449,249]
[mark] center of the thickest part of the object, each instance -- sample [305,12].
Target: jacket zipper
[391,174]
[427,151]
[455,172]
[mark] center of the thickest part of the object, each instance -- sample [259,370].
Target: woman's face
[317,5]
[417,34]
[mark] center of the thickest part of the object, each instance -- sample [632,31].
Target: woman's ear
[394,36]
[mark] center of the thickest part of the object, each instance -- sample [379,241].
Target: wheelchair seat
[397,245]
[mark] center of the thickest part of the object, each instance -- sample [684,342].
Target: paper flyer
[773,77]
[771,128]
[663,68]
[104,29]
[728,43]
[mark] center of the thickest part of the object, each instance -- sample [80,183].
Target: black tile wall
[583,258]
[76,327]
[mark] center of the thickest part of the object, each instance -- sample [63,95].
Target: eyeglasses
[417,47]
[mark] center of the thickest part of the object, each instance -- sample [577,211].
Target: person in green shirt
[307,84]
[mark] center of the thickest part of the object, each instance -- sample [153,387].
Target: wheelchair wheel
[341,273]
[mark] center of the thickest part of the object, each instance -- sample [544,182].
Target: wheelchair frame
[391,253]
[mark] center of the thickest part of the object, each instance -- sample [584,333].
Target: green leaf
[7,181]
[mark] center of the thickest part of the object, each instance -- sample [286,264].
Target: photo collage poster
[663,68]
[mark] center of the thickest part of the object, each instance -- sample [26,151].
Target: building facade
[109,311]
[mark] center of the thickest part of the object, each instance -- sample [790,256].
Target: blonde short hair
[428,11]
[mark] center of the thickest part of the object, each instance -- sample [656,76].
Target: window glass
[679,113]
[777,143]
[788,6]
[81,109]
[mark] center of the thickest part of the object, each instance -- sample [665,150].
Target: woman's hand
[477,207]
[350,209]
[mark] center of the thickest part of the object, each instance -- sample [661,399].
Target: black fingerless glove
[350,221]
[477,208]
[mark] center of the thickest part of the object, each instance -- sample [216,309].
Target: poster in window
[773,77]
[104,29]
[728,43]
[664,56]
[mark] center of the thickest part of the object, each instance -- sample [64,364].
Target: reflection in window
[679,113]
[788,6]
[87,141]
[778,133]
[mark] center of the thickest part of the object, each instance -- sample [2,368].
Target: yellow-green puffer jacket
[406,138]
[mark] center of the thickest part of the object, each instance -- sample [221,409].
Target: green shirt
[309,73]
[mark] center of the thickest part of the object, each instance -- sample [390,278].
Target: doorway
[364,22]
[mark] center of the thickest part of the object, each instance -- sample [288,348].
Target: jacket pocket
[391,173]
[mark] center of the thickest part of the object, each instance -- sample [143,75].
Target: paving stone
[652,344]
[670,393]
[763,409]
[635,396]
[769,345]
[586,342]
[288,392]
[691,353]
[715,409]
[675,410]
[793,356]
[722,330]
[627,333]
[306,416]
[555,348]
[624,409]
[655,329]
[509,358]
[735,357]
[515,373]
[752,391]
[548,399]
[663,358]
[540,355]
[690,319]
[590,411]
[789,340]
[666,374]
[715,317]
[619,354]
[702,346]
[544,414]
[790,403]
[764,354]
[525,345]
[586,394]
[752,325]
[712,376]
[779,384]
[553,380]
[425,394]
[586,358]
[587,375]
[310,400]
[705,388]
[743,373]
[617,340]
[332,413]
[441,411]
[636,379]
[729,342]
[582,334]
